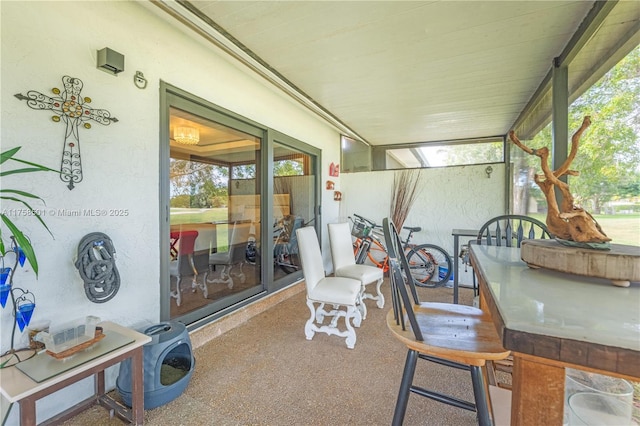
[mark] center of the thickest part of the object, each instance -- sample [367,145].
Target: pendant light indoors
[186,135]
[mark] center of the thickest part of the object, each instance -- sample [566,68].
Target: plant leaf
[39,166]
[8,154]
[23,242]
[16,171]
[20,238]
[35,214]
[24,194]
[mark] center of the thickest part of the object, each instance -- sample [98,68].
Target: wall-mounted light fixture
[186,135]
[139,80]
[110,61]
[488,171]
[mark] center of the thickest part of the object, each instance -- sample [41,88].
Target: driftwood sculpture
[567,222]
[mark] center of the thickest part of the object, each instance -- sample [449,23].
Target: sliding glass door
[222,177]
[213,211]
[294,203]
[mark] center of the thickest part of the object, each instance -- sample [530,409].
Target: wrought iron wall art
[71,108]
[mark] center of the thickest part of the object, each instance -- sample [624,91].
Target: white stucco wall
[44,41]
[450,198]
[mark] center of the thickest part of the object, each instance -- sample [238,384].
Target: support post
[560,117]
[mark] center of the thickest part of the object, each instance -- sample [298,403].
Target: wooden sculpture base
[621,264]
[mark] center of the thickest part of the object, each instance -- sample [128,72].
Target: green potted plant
[22,198]
[19,246]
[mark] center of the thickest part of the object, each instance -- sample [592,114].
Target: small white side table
[52,375]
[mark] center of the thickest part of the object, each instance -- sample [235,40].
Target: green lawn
[180,216]
[622,228]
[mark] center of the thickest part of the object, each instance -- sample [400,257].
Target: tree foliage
[474,153]
[288,168]
[609,152]
[198,185]
[609,156]
[202,185]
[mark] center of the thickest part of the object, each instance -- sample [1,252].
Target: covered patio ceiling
[397,72]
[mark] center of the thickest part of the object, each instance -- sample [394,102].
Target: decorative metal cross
[72,110]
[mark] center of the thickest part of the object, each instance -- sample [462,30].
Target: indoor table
[553,320]
[42,375]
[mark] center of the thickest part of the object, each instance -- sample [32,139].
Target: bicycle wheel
[430,265]
[290,263]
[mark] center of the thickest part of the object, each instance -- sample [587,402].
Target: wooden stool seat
[456,332]
[456,336]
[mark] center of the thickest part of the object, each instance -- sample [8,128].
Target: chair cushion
[366,274]
[343,291]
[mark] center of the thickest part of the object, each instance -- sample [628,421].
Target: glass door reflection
[293,206]
[214,214]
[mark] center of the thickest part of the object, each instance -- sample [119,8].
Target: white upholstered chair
[341,295]
[231,258]
[344,264]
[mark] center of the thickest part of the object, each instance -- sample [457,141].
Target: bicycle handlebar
[411,229]
[364,219]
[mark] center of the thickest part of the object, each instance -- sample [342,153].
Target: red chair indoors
[182,263]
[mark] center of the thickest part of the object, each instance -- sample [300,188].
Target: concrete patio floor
[264,372]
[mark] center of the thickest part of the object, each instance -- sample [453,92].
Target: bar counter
[551,321]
